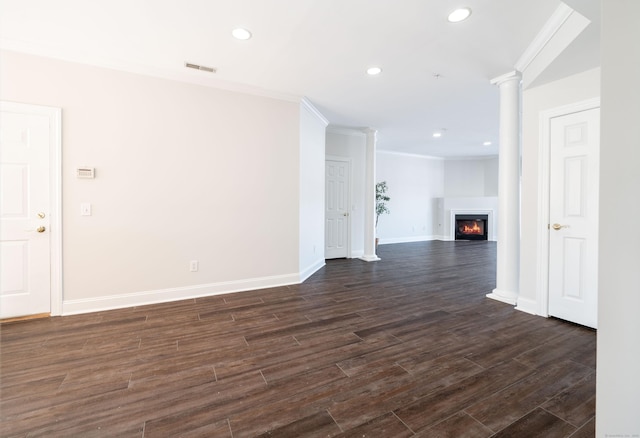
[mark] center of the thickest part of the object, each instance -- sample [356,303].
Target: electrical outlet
[193,266]
[85,209]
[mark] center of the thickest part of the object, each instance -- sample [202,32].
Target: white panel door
[25,258]
[573,216]
[336,209]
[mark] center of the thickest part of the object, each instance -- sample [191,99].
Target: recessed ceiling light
[372,71]
[437,134]
[458,15]
[241,33]
[486,143]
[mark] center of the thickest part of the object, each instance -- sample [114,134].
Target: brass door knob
[559,227]
[40,229]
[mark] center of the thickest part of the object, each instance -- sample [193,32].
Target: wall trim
[542,257]
[526,305]
[407,154]
[408,239]
[306,103]
[312,269]
[86,305]
[550,28]
[345,130]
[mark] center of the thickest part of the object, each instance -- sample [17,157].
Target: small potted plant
[381,202]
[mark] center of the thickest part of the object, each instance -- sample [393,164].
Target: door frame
[544,196]
[55,187]
[349,193]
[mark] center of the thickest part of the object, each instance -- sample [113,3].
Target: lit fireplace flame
[475,229]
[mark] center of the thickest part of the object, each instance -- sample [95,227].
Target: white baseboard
[309,271]
[503,296]
[409,239]
[357,254]
[86,305]
[527,305]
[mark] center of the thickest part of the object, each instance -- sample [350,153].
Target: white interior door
[25,210]
[336,209]
[573,217]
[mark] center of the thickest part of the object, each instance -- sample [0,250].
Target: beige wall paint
[566,91]
[184,172]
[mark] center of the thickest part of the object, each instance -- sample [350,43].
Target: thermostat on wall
[86,172]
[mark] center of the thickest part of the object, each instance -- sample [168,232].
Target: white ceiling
[314,48]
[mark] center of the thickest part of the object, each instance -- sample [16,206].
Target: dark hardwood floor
[405,347]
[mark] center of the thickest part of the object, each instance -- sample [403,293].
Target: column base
[504,296]
[370,258]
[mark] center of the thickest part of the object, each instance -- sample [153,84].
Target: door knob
[41,215]
[559,227]
[40,229]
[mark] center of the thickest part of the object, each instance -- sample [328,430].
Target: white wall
[618,380]
[471,177]
[184,172]
[414,183]
[312,146]
[351,144]
[566,91]
[491,176]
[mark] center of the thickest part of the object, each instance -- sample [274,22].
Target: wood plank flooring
[405,347]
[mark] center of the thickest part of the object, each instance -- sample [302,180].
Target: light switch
[85,209]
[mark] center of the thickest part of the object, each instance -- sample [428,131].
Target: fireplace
[471,226]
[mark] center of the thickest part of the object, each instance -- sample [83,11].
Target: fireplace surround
[483,219]
[471,227]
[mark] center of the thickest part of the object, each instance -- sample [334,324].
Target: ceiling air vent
[199,67]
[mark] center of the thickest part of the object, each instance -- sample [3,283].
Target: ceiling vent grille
[199,67]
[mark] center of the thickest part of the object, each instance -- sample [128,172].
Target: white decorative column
[370,198]
[508,261]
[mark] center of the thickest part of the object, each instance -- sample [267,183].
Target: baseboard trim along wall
[86,305]
[526,305]
[405,239]
[309,271]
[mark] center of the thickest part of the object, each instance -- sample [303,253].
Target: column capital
[370,131]
[511,76]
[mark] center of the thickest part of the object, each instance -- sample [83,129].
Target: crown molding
[344,130]
[306,103]
[550,28]
[407,154]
